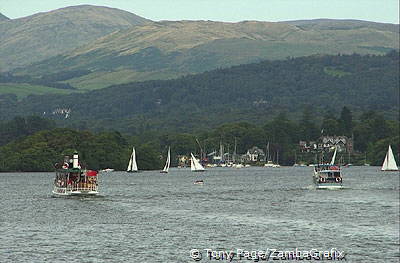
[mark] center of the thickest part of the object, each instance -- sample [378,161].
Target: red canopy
[91,173]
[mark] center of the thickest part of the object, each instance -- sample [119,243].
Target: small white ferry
[328,176]
[71,179]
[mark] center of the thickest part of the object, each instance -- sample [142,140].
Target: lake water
[153,217]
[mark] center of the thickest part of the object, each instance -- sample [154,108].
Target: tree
[346,121]
[308,127]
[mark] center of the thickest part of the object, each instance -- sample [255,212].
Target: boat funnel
[75,160]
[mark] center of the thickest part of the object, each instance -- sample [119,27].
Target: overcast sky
[225,10]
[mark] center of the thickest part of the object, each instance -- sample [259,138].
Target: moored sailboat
[132,166]
[168,162]
[195,165]
[389,164]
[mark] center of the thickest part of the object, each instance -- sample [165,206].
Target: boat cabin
[328,173]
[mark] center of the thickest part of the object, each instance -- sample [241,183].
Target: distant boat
[238,166]
[199,182]
[389,164]
[328,176]
[270,163]
[132,166]
[107,170]
[195,165]
[168,162]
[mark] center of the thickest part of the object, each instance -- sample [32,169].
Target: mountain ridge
[42,35]
[169,49]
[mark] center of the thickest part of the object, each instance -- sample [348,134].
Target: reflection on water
[153,217]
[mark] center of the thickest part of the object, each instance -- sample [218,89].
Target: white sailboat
[389,164]
[195,165]
[168,162]
[132,166]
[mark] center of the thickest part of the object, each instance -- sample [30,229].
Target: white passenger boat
[328,176]
[72,179]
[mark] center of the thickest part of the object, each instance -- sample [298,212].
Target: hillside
[3,17]
[167,49]
[254,93]
[342,24]
[43,35]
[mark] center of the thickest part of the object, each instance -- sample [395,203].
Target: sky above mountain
[225,10]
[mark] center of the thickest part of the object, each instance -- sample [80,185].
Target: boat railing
[88,187]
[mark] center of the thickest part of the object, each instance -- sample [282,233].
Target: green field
[335,72]
[23,89]
[100,80]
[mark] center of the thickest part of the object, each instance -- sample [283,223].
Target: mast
[228,158]
[277,156]
[221,151]
[201,149]
[234,153]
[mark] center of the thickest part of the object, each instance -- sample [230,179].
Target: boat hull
[329,186]
[67,192]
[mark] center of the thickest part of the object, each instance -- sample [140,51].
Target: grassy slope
[23,90]
[165,50]
[99,80]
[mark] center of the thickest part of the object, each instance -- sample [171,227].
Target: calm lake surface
[153,217]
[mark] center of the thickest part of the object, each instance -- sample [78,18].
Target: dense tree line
[372,134]
[41,151]
[253,93]
[20,127]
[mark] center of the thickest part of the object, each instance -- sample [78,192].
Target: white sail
[195,164]
[132,166]
[389,164]
[167,163]
[334,157]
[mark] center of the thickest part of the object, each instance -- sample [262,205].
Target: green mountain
[163,50]
[43,35]
[254,93]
